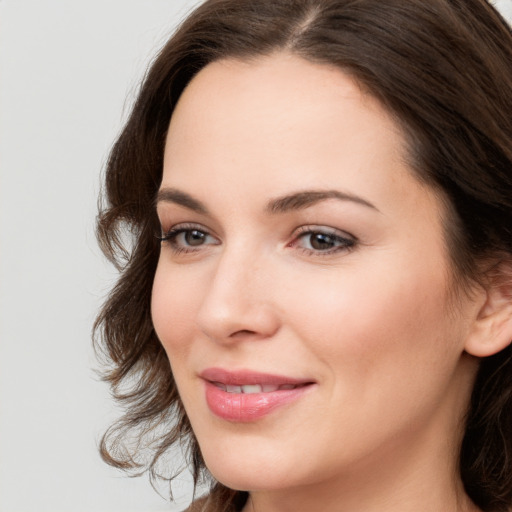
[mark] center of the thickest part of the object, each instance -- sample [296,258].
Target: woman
[317,300]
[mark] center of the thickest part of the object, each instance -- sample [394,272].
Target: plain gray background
[68,71]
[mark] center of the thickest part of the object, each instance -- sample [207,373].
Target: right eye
[183,238]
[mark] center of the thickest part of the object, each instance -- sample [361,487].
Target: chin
[250,479]
[262,468]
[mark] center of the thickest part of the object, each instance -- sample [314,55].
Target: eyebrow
[173,195]
[290,202]
[306,198]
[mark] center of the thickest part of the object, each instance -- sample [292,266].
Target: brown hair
[443,68]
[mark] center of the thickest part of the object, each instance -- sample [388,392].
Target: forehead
[280,111]
[281,90]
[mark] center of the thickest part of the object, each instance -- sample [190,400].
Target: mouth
[249,389]
[249,382]
[247,396]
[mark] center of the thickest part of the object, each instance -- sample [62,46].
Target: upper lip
[242,377]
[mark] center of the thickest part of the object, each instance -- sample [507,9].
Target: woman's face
[303,288]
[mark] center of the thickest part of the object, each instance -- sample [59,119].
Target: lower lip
[247,407]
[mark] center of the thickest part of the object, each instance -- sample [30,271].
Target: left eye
[322,241]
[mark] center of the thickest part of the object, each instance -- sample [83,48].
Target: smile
[246,396]
[249,389]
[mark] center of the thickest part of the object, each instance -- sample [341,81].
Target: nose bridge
[237,300]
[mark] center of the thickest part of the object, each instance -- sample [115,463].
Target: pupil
[321,242]
[194,237]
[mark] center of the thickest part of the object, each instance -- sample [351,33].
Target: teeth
[252,388]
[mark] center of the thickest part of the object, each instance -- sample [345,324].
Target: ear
[492,330]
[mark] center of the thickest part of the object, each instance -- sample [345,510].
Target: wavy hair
[443,69]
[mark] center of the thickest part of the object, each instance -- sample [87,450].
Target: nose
[237,304]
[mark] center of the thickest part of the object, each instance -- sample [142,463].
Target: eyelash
[345,241]
[170,237]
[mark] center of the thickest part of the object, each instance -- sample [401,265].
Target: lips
[253,388]
[245,396]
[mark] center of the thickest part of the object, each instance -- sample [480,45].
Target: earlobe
[492,329]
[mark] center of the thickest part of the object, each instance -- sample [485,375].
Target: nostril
[242,332]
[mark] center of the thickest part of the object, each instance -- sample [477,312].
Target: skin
[372,322]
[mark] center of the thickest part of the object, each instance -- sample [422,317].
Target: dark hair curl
[443,69]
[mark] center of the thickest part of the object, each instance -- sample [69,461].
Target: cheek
[382,316]
[174,303]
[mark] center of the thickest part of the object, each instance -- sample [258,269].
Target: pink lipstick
[244,396]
